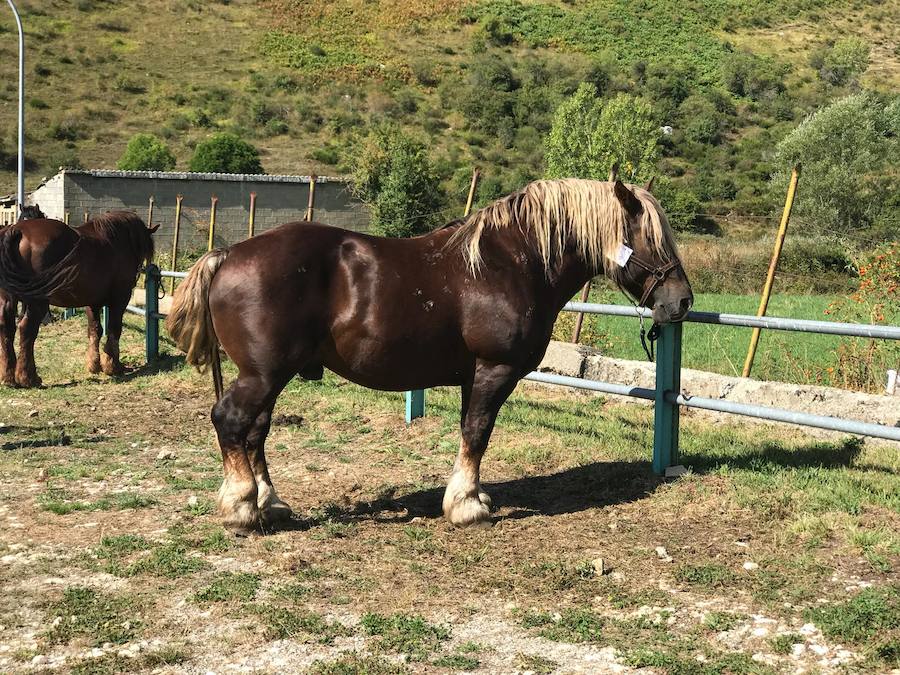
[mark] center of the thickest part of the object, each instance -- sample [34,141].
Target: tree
[225,153]
[395,177]
[145,152]
[844,62]
[848,151]
[590,134]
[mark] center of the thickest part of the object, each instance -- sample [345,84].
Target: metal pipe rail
[770,322]
[667,395]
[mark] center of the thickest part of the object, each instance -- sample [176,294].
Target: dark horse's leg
[95,332]
[271,508]
[110,357]
[7,339]
[234,416]
[29,324]
[465,503]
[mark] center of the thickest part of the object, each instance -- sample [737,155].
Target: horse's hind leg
[95,332]
[110,357]
[7,339]
[234,416]
[272,509]
[465,503]
[29,325]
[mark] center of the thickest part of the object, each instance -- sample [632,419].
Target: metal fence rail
[667,395]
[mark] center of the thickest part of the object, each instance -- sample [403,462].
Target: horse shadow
[588,486]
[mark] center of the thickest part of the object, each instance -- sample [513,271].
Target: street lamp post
[20,188]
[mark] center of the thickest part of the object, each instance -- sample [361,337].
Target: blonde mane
[586,212]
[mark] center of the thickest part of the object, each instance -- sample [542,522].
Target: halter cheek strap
[658,274]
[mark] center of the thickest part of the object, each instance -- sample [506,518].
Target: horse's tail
[25,283]
[189,321]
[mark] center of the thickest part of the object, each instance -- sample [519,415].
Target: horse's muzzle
[674,310]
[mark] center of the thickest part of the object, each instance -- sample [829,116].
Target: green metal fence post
[415,405]
[151,306]
[104,319]
[668,379]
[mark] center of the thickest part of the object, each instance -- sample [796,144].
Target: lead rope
[648,337]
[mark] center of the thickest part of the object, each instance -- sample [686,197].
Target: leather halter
[659,274]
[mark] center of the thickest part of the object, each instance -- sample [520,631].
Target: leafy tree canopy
[145,152]
[225,153]
[589,135]
[396,178]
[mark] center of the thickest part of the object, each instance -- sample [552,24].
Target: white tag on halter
[622,255]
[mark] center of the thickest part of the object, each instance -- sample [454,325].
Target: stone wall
[279,199]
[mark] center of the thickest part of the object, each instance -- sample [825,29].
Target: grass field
[803,358]
[776,553]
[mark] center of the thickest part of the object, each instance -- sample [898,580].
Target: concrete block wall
[279,199]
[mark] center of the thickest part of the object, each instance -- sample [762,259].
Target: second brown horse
[45,262]
[472,304]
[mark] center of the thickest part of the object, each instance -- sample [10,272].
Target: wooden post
[66,218]
[178,200]
[86,216]
[312,198]
[150,212]
[668,379]
[212,223]
[251,226]
[415,400]
[773,266]
[476,174]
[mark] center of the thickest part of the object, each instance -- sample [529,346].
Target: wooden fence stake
[212,223]
[251,226]
[312,198]
[773,266]
[178,200]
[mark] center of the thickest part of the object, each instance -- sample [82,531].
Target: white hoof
[271,507]
[465,506]
[238,508]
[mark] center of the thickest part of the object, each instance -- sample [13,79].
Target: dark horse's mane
[121,226]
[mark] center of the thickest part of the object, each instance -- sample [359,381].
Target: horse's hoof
[29,382]
[468,512]
[276,513]
[94,368]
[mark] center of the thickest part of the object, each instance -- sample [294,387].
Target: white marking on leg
[465,503]
[237,505]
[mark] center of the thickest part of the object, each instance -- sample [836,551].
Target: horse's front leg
[465,503]
[29,325]
[110,357]
[95,332]
[7,339]
[272,509]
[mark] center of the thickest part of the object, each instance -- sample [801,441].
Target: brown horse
[44,262]
[472,304]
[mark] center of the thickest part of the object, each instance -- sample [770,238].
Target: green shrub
[590,134]
[145,152]
[757,77]
[844,62]
[394,175]
[225,153]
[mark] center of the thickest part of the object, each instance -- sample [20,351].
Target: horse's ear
[649,186]
[626,198]
[153,228]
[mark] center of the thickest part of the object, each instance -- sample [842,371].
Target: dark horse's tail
[25,283]
[189,321]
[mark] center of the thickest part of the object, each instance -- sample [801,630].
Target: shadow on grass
[165,363]
[585,487]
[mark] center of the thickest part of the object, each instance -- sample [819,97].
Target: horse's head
[652,272]
[31,212]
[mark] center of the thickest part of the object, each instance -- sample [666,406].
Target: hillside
[478,79]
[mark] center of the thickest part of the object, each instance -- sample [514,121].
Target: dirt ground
[776,553]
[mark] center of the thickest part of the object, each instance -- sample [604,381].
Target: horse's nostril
[685,304]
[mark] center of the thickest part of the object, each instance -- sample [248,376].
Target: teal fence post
[415,405]
[70,312]
[668,379]
[104,319]
[151,306]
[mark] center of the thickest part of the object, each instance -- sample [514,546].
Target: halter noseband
[659,275]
